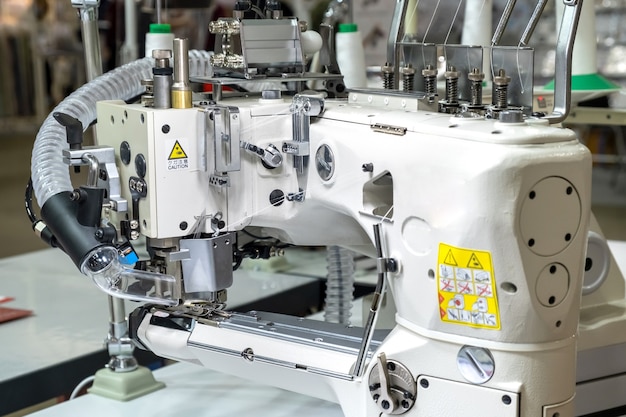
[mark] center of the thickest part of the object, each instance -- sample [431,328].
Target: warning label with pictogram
[467,287]
[178,158]
[177,152]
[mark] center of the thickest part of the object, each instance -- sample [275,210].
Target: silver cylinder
[162,91]
[91,42]
[181,91]
[162,79]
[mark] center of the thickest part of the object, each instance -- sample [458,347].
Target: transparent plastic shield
[102,265]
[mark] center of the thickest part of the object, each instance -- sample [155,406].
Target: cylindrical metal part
[430,82]
[476,78]
[181,91]
[452,86]
[91,42]
[504,20]
[162,79]
[408,77]
[501,90]
[162,90]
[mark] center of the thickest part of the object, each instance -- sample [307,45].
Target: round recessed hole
[509,287]
[532,195]
[558,323]
[588,264]
[552,269]
[531,242]
[496,132]
[568,237]
[552,300]
[431,273]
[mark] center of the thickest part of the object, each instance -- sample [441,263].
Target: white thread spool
[160,36]
[350,55]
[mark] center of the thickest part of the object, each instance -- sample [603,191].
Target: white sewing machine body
[478,216]
[487,221]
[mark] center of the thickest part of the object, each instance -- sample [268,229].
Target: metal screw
[248,354]
[506,399]
[424,383]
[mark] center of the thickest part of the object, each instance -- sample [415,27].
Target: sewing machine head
[477,212]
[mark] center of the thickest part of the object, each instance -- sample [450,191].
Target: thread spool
[160,36]
[351,56]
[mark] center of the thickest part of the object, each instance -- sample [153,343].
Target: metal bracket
[226,134]
[291,147]
[220,181]
[108,176]
[563,64]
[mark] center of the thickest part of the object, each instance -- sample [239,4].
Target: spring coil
[388,78]
[501,90]
[501,96]
[430,81]
[408,78]
[339,285]
[476,89]
[476,78]
[452,86]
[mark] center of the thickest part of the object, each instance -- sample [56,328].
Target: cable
[82,385]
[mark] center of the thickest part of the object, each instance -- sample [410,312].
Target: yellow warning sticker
[177,152]
[178,159]
[467,287]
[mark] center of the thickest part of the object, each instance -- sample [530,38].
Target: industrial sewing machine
[477,214]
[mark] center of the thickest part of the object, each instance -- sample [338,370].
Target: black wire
[28,201]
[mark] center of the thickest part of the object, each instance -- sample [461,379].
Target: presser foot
[124,386]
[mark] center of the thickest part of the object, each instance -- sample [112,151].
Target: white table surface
[195,391]
[71,314]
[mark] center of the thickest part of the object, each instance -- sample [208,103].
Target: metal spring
[501,96]
[476,78]
[408,78]
[388,78]
[452,90]
[430,82]
[501,90]
[476,89]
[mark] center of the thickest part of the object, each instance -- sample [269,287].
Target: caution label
[177,159]
[467,287]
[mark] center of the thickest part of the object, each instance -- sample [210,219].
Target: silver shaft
[532,23]
[504,20]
